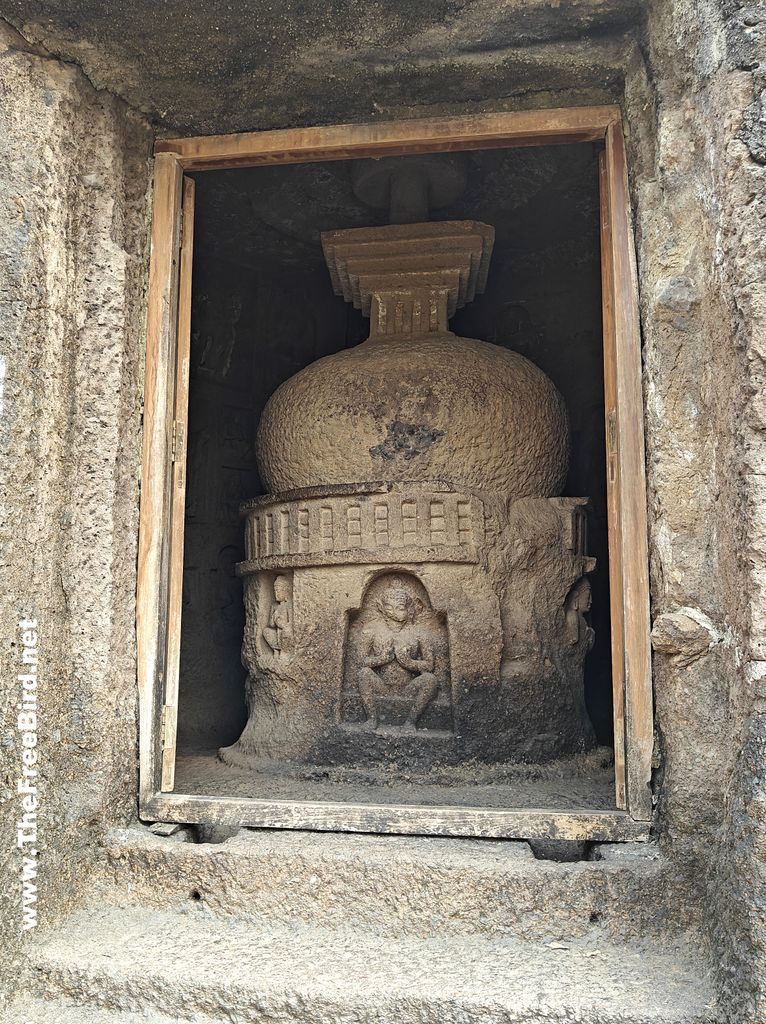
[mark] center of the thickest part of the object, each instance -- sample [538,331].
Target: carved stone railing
[362,523]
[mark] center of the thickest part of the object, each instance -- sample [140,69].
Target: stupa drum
[415,585]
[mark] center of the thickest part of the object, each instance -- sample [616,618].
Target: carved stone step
[195,963]
[398,885]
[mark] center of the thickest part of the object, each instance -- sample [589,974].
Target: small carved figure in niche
[398,658]
[278,634]
[578,603]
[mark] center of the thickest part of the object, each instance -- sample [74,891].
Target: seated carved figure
[399,659]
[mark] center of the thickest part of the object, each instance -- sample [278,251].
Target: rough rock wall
[73,247]
[700,195]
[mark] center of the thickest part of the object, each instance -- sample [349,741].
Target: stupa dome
[418,407]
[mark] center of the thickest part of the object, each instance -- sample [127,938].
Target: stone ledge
[397,884]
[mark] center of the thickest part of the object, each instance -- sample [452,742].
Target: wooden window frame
[160,564]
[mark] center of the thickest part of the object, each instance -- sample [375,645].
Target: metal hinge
[177,442]
[611,432]
[165,730]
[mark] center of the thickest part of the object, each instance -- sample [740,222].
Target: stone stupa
[415,585]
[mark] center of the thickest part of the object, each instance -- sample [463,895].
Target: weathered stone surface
[158,961]
[472,413]
[236,67]
[754,128]
[68,1011]
[73,247]
[399,885]
[686,633]
[700,192]
[488,901]
[488,419]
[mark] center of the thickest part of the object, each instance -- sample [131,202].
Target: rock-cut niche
[396,667]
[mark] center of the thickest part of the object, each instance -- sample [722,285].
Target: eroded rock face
[74,180]
[414,586]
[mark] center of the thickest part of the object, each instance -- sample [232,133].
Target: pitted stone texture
[66,1011]
[700,202]
[400,885]
[232,67]
[194,963]
[425,408]
[73,259]
[687,634]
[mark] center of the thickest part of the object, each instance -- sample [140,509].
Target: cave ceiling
[197,67]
